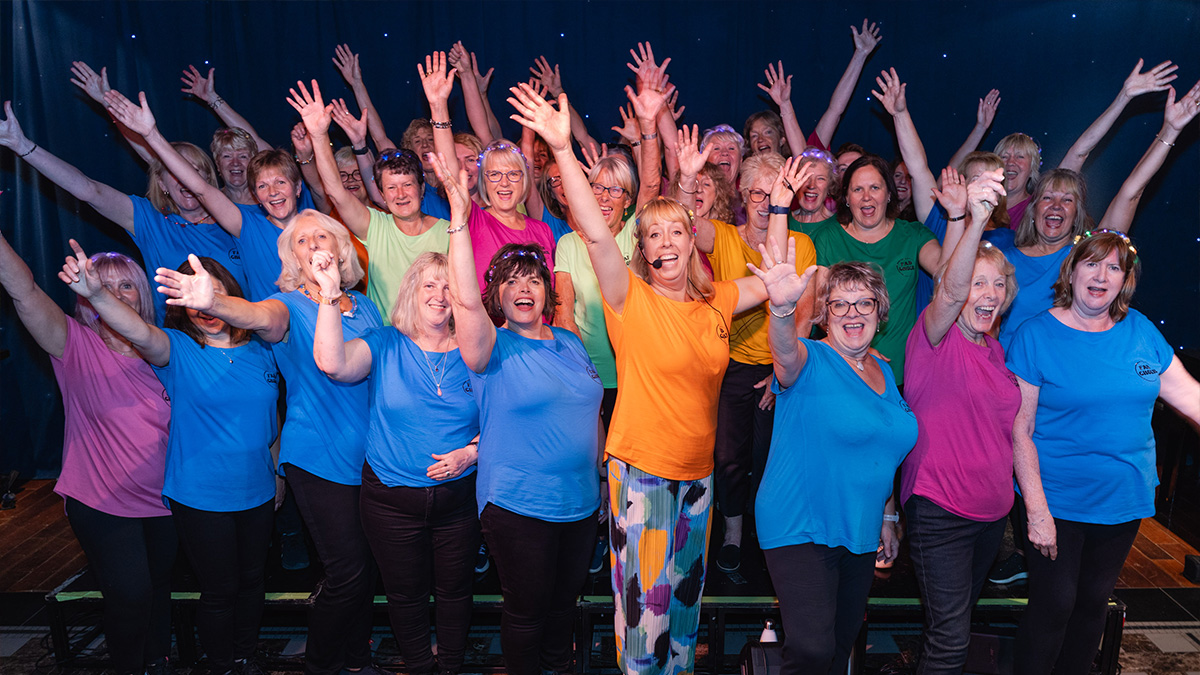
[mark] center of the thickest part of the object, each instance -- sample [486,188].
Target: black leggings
[132,559]
[542,567]
[228,551]
[743,437]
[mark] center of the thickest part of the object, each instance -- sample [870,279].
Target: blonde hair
[999,219]
[232,138]
[850,275]
[988,251]
[1020,142]
[1061,180]
[721,208]
[196,157]
[405,316]
[758,165]
[665,209]
[499,151]
[290,276]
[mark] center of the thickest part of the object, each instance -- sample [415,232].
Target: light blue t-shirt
[558,226]
[1035,280]
[223,421]
[1001,238]
[166,241]
[409,421]
[432,204]
[834,452]
[325,430]
[1094,443]
[539,407]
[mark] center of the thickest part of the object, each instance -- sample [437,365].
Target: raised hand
[346,62]
[324,268]
[691,158]
[533,112]
[139,119]
[550,78]
[355,127]
[313,111]
[194,291]
[987,108]
[672,100]
[792,176]
[1179,112]
[953,194]
[301,141]
[1155,79]
[643,62]
[778,86]
[95,86]
[784,286]
[434,79]
[629,126]
[591,157]
[650,98]
[11,135]
[78,273]
[892,96]
[867,40]
[456,189]
[481,79]
[539,88]
[199,86]
[983,193]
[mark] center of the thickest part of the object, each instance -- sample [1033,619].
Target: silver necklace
[436,373]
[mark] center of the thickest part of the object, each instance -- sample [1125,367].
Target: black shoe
[729,558]
[482,562]
[599,554]
[1009,570]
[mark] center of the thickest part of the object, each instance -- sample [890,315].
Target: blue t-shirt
[1035,283]
[259,243]
[325,429]
[1001,238]
[835,450]
[1094,443]
[539,406]
[433,204]
[166,241]
[409,421]
[223,421]
[558,226]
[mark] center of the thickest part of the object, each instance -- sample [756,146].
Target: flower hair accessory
[501,145]
[491,272]
[1088,234]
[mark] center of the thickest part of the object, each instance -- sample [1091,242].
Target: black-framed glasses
[355,175]
[757,196]
[864,306]
[514,176]
[554,181]
[615,191]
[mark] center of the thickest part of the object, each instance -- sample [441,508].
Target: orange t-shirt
[671,357]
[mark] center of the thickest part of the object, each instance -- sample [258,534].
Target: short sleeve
[1021,356]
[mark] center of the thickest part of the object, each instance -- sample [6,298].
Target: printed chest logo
[905,408]
[1012,378]
[235,255]
[165,397]
[591,370]
[722,334]
[905,265]
[271,378]
[1144,370]
[466,387]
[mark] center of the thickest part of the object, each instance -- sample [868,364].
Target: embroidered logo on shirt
[905,265]
[235,255]
[905,408]
[722,333]
[1145,371]
[271,378]
[165,397]
[466,387]
[591,370]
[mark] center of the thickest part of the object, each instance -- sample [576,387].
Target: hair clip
[1088,234]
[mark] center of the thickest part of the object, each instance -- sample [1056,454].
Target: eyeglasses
[356,175]
[554,181]
[864,306]
[514,176]
[756,196]
[615,191]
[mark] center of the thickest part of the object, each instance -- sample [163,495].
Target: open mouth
[985,312]
[867,211]
[606,211]
[524,303]
[854,329]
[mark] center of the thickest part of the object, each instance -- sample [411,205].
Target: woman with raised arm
[956,485]
[539,408]
[419,515]
[324,436]
[166,224]
[232,148]
[865,42]
[841,431]
[669,326]
[1090,370]
[766,131]
[114,454]
[220,475]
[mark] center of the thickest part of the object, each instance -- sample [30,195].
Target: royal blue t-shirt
[433,204]
[834,452]
[223,421]
[259,243]
[558,226]
[539,407]
[325,430]
[1035,283]
[166,241]
[1094,443]
[409,421]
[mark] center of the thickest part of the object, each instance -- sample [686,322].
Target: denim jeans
[951,556]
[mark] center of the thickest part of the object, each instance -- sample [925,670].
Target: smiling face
[1018,164]
[541,154]
[763,137]
[989,289]
[706,195]
[184,200]
[612,208]
[867,196]
[727,155]
[816,189]
[122,287]
[671,242]
[757,198]
[504,181]
[210,326]
[231,163]
[903,182]
[852,333]
[277,193]
[1054,216]
[402,194]
[433,298]
[1095,284]
[554,181]
[522,299]
[352,180]
[469,160]
[422,144]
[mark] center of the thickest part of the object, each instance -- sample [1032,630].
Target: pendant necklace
[436,373]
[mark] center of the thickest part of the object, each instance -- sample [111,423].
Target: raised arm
[892,94]
[268,319]
[691,161]
[474,97]
[667,117]
[342,361]
[150,341]
[1137,83]
[302,146]
[1042,532]
[141,120]
[438,83]
[551,79]
[96,86]
[779,88]
[784,288]
[1177,115]
[651,96]
[554,126]
[316,117]
[356,130]
[864,43]
[984,114]
[109,202]
[347,64]
[43,319]
[204,88]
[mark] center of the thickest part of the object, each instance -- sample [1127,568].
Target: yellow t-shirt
[671,357]
[748,342]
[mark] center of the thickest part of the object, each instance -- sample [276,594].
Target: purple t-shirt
[488,234]
[966,401]
[115,445]
[1016,212]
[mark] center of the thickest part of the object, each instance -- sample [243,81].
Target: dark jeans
[822,595]
[425,539]
[951,556]
[743,437]
[228,550]
[607,403]
[1068,596]
[339,624]
[132,560]
[542,567]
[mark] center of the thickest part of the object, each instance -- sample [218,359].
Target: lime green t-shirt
[897,254]
[571,257]
[391,253]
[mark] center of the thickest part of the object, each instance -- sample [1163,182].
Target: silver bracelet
[891,518]
[781,316]
[452,230]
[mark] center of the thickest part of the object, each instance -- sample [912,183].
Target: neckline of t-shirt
[1073,329]
[850,369]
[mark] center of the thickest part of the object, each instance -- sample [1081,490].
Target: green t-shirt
[897,255]
[808,228]
[571,257]
[391,253]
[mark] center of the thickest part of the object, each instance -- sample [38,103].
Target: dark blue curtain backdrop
[1057,65]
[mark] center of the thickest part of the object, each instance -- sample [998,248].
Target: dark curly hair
[518,260]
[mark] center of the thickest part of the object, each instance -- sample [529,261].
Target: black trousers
[132,560]
[542,567]
[339,624]
[425,540]
[743,437]
[228,550]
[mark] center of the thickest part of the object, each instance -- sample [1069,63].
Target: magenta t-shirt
[115,444]
[1016,212]
[966,401]
[488,234]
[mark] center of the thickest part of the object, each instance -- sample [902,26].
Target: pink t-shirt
[488,234]
[1016,212]
[115,445]
[965,401]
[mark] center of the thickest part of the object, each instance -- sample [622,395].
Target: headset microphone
[657,263]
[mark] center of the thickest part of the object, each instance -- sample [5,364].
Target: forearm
[477,111]
[352,211]
[912,151]
[443,139]
[43,319]
[231,118]
[127,323]
[784,343]
[312,180]
[649,163]
[1078,153]
[670,143]
[579,130]
[1120,212]
[841,98]
[1029,477]
[973,140]
[791,129]
[109,202]
[329,347]
[257,317]
[374,122]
